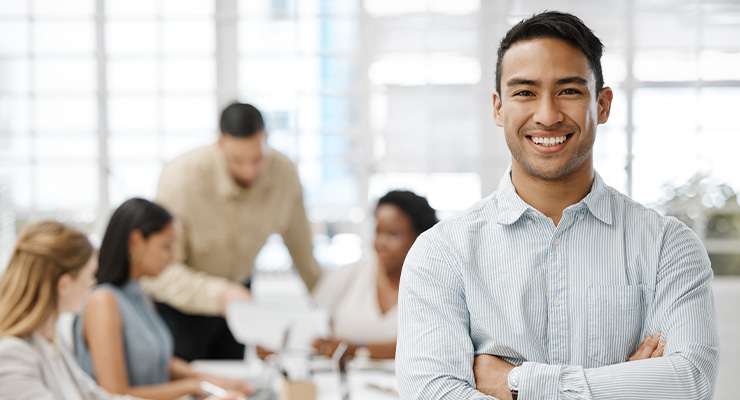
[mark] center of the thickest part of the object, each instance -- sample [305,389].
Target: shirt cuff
[543,381]
[539,381]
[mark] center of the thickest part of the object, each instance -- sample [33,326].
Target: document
[264,323]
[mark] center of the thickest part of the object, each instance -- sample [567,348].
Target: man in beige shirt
[228,197]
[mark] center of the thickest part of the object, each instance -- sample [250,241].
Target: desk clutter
[365,379]
[294,373]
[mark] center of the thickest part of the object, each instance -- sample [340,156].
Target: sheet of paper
[259,322]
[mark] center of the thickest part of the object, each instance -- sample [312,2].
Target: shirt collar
[597,200]
[511,207]
[50,350]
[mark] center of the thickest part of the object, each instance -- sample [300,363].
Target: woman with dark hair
[362,297]
[120,340]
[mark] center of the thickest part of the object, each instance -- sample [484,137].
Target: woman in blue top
[120,340]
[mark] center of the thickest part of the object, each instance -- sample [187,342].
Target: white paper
[264,323]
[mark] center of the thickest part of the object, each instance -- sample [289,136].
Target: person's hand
[232,385]
[233,291]
[491,375]
[326,347]
[651,347]
[263,353]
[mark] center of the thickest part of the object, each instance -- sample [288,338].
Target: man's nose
[548,111]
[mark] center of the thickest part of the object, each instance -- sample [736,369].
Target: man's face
[548,108]
[245,156]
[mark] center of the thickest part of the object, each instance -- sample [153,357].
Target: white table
[367,379]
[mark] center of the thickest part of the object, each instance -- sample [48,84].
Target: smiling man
[556,286]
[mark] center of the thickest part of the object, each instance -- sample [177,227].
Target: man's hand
[233,291]
[327,347]
[651,347]
[491,374]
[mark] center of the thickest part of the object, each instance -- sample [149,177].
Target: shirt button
[556,302]
[580,216]
[529,222]
[556,241]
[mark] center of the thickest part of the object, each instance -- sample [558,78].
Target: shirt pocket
[615,319]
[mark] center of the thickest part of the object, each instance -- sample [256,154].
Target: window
[365,96]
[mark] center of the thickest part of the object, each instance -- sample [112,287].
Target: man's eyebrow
[572,79]
[520,81]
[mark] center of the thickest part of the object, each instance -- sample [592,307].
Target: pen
[210,388]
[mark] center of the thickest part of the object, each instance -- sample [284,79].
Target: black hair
[241,120]
[555,25]
[417,208]
[134,214]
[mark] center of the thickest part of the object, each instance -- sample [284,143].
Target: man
[228,197]
[555,272]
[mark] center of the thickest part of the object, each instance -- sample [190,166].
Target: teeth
[548,141]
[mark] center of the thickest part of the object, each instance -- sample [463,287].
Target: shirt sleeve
[682,309]
[434,357]
[298,240]
[179,285]
[20,377]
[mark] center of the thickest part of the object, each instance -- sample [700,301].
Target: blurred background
[95,95]
[364,95]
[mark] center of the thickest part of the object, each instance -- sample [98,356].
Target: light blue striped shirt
[569,303]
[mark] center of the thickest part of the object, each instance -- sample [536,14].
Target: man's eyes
[527,93]
[571,91]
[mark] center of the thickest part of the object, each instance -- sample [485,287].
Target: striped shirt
[569,303]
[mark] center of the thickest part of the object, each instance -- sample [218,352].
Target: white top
[32,367]
[351,295]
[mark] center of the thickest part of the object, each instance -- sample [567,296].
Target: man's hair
[417,208]
[114,258]
[555,25]
[241,120]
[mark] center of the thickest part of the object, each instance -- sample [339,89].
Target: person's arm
[379,350]
[298,240]
[682,309]
[102,329]
[491,372]
[179,285]
[181,369]
[434,357]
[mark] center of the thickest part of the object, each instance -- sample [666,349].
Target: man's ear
[497,113]
[605,104]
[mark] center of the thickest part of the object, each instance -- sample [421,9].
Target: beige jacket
[32,368]
[224,226]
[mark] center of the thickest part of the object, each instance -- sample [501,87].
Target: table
[367,379]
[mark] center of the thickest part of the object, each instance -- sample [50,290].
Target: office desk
[367,379]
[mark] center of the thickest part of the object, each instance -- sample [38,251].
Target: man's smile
[549,141]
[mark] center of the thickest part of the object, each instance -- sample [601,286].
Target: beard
[527,161]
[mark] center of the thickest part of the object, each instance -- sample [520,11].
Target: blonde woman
[50,271]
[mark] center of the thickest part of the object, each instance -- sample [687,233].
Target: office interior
[364,96]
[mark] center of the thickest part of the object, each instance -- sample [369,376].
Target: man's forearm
[670,377]
[188,290]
